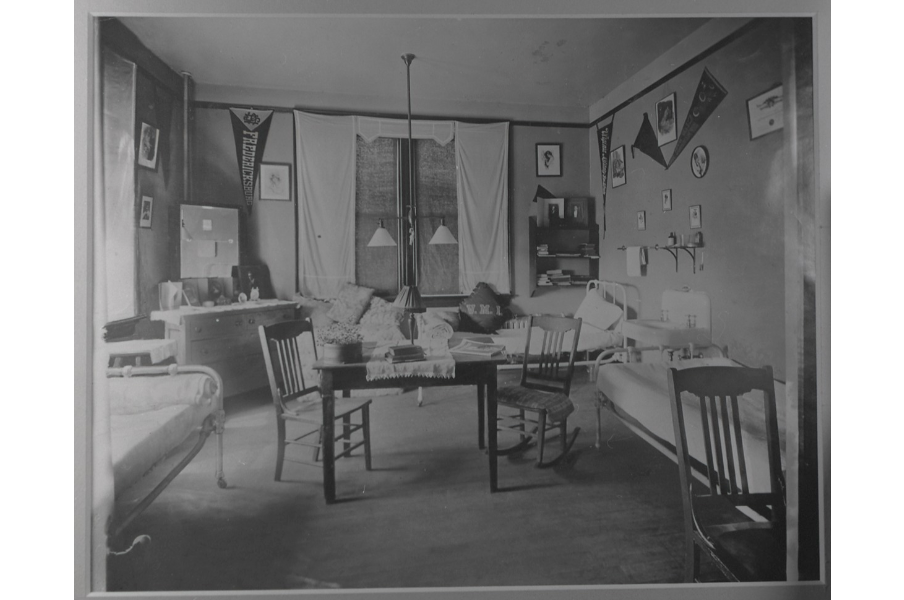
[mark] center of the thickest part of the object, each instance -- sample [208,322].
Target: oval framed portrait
[699,161]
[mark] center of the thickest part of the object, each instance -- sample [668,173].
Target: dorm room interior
[403,219]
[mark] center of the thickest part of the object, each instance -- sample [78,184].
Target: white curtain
[370,128]
[114,262]
[482,163]
[325,155]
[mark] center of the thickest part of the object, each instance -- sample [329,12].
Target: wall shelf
[673,250]
[563,243]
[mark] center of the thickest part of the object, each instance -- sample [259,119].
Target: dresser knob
[251,321]
[197,330]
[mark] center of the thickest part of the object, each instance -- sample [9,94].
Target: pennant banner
[604,136]
[647,142]
[708,96]
[250,128]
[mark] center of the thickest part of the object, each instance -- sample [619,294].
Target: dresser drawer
[203,352]
[210,326]
[269,317]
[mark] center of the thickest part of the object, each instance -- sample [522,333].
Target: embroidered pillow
[381,312]
[351,303]
[481,312]
[597,312]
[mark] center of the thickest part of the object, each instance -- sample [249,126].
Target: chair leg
[567,443]
[541,433]
[280,447]
[691,561]
[319,445]
[346,432]
[365,420]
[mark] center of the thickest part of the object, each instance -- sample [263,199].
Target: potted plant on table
[340,343]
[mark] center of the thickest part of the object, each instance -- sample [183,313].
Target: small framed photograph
[619,169]
[641,220]
[146,212]
[666,200]
[549,160]
[666,130]
[764,112]
[276,181]
[576,214]
[696,217]
[555,212]
[699,161]
[147,146]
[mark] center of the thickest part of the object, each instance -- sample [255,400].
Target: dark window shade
[377,196]
[435,190]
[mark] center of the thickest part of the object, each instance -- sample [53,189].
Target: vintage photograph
[699,161]
[147,146]
[276,181]
[299,423]
[696,217]
[666,129]
[619,169]
[549,160]
[764,112]
[145,212]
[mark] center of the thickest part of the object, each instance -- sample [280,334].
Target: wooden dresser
[225,339]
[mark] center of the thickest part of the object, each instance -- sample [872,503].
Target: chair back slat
[716,391]
[739,444]
[550,371]
[283,358]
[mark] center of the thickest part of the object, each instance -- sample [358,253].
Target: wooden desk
[469,370]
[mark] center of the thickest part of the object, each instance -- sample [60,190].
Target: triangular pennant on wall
[250,128]
[708,96]
[647,142]
[604,136]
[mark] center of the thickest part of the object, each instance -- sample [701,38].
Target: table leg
[481,414]
[328,439]
[491,424]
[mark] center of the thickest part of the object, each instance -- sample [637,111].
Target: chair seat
[753,551]
[557,405]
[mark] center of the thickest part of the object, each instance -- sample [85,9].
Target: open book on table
[478,348]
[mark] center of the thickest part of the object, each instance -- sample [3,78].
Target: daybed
[153,410]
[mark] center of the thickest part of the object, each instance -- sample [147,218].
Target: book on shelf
[474,347]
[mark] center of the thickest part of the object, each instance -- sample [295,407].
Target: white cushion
[597,312]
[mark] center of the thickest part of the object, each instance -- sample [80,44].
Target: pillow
[351,303]
[481,312]
[449,316]
[381,312]
[595,311]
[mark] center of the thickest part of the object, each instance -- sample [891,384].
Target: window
[381,182]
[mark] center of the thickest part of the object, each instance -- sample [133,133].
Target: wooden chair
[742,548]
[283,356]
[543,389]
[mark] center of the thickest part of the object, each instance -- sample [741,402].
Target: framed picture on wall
[696,217]
[666,130]
[764,112]
[699,161]
[146,212]
[147,146]
[619,169]
[666,200]
[276,181]
[641,220]
[549,160]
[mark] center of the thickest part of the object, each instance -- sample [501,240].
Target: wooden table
[469,370]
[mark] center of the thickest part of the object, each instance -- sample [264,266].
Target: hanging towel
[635,256]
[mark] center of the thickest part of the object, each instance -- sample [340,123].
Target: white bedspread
[640,393]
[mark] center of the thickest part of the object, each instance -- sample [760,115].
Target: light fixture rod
[410,276]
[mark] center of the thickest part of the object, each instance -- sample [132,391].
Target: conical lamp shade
[409,299]
[381,237]
[443,235]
